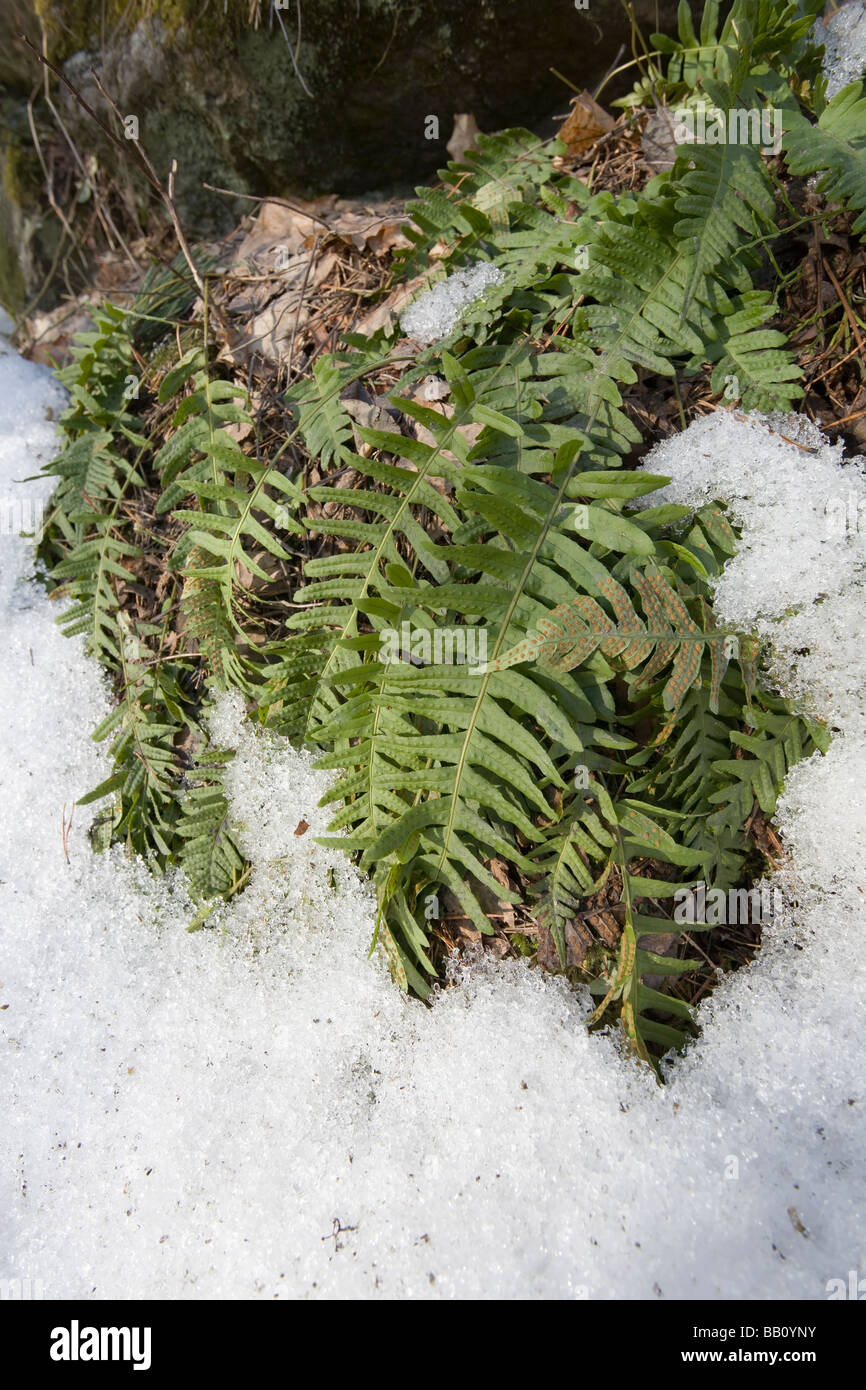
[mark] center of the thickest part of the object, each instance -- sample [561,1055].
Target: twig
[610,72]
[846,419]
[66,826]
[49,181]
[149,171]
[567,81]
[696,946]
[281,202]
[108,225]
[849,312]
[166,196]
[77,95]
[310,264]
[387,45]
[292,51]
[834,366]
[806,448]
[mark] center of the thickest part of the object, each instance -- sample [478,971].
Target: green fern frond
[752,364]
[144,725]
[502,172]
[208,626]
[835,148]
[208,855]
[724,193]
[585,621]
[573,631]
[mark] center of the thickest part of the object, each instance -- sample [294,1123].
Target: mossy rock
[219,91]
[29,231]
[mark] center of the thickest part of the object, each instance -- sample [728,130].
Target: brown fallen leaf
[271,332]
[659,144]
[578,940]
[370,415]
[302,827]
[275,226]
[238,429]
[585,123]
[371,232]
[386,313]
[463,136]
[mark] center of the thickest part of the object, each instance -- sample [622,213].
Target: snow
[437,311]
[802,562]
[257,1111]
[844,38]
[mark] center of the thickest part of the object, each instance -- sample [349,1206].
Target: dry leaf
[578,940]
[435,389]
[370,415]
[376,233]
[464,135]
[386,314]
[659,145]
[276,226]
[585,124]
[238,429]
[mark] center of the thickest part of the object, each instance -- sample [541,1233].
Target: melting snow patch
[844,39]
[801,565]
[256,1111]
[436,313]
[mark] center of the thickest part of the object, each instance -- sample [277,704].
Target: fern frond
[723,194]
[148,719]
[835,148]
[751,363]
[208,855]
[780,739]
[89,576]
[208,626]
[573,631]
[502,172]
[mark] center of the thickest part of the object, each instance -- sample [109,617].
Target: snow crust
[844,39]
[255,1110]
[437,311]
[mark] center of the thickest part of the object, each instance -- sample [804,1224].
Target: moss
[13,291]
[21,182]
[29,231]
[13,229]
[73,25]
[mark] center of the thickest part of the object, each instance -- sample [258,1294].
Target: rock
[29,231]
[216,86]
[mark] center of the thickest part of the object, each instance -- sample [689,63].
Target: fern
[755,33]
[603,661]
[147,767]
[723,191]
[835,147]
[505,169]
[628,986]
[443,768]
[573,631]
[750,357]
[160,807]
[208,626]
[237,496]
[213,864]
